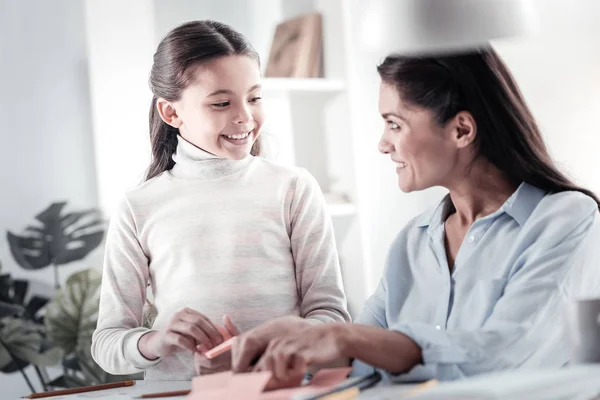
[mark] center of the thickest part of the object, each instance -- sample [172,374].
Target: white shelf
[341,210]
[308,85]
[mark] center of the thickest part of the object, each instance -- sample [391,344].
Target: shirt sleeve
[122,297]
[318,274]
[519,325]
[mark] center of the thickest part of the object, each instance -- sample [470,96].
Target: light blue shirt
[500,306]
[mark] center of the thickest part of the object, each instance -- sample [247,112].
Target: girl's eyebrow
[227,91]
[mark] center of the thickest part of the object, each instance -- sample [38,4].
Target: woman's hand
[203,365]
[185,331]
[290,356]
[248,347]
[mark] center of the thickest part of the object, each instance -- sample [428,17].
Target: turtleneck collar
[192,162]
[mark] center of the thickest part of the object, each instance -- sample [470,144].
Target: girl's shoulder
[289,173]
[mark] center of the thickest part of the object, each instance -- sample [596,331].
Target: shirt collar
[519,206]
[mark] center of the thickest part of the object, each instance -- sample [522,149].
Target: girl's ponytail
[163,138]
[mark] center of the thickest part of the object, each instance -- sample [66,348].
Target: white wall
[120,45]
[559,74]
[558,71]
[46,150]
[242,16]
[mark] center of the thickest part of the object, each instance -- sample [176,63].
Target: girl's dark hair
[479,82]
[177,57]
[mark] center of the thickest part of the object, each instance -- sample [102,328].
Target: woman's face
[424,153]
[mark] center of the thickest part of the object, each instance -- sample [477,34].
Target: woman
[471,285]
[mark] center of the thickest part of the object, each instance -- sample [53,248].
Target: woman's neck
[481,190]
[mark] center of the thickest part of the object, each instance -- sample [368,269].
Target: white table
[142,387]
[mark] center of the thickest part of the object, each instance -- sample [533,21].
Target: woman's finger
[280,365]
[246,348]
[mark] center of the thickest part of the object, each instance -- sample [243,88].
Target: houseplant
[57,238]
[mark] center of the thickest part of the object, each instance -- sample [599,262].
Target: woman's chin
[404,185]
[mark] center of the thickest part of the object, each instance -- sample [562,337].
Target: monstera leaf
[72,314]
[71,319]
[22,343]
[12,300]
[57,239]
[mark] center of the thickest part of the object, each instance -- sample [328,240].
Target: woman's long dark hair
[178,55]
[479,82]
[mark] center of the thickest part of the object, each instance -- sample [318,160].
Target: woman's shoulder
[573,205]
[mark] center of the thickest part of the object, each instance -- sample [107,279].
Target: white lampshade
[407,26]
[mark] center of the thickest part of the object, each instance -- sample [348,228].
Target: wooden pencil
[164,394]
[348,394]
[82,389]
[423,386]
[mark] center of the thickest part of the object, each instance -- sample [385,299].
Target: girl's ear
[167,113]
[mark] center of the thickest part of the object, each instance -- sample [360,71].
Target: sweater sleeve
[123,293]
[318,274]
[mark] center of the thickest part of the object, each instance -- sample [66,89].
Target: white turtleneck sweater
[248,238]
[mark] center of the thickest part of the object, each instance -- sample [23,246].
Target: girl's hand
[185,331]
[203,365]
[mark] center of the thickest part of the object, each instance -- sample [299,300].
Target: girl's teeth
[242,136]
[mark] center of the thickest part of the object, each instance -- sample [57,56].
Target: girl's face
[220,111]
[425,154]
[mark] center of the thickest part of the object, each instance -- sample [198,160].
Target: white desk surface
[143,387]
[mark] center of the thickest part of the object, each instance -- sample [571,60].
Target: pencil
[79,390]
[420,387]
[164,394]
[347,394]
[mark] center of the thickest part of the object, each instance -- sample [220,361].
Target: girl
[217,231]
[472,285]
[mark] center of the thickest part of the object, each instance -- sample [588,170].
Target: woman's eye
[255,100]
[393,126]
[221,105]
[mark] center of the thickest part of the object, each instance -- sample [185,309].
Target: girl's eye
[255,100]
[221,105]
[393,126]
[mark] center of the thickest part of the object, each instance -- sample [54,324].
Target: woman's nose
[385,146]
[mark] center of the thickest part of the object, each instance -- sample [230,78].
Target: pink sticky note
[212,381]
[247,386]
[250,386]
[323,380]
[227,385]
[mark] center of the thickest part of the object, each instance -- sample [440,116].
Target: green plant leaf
[24,340]
[79,247]
[29,252]
[59,240]
[72,314]
[34,356]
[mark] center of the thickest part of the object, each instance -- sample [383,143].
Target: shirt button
[471,239]
[438,327]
